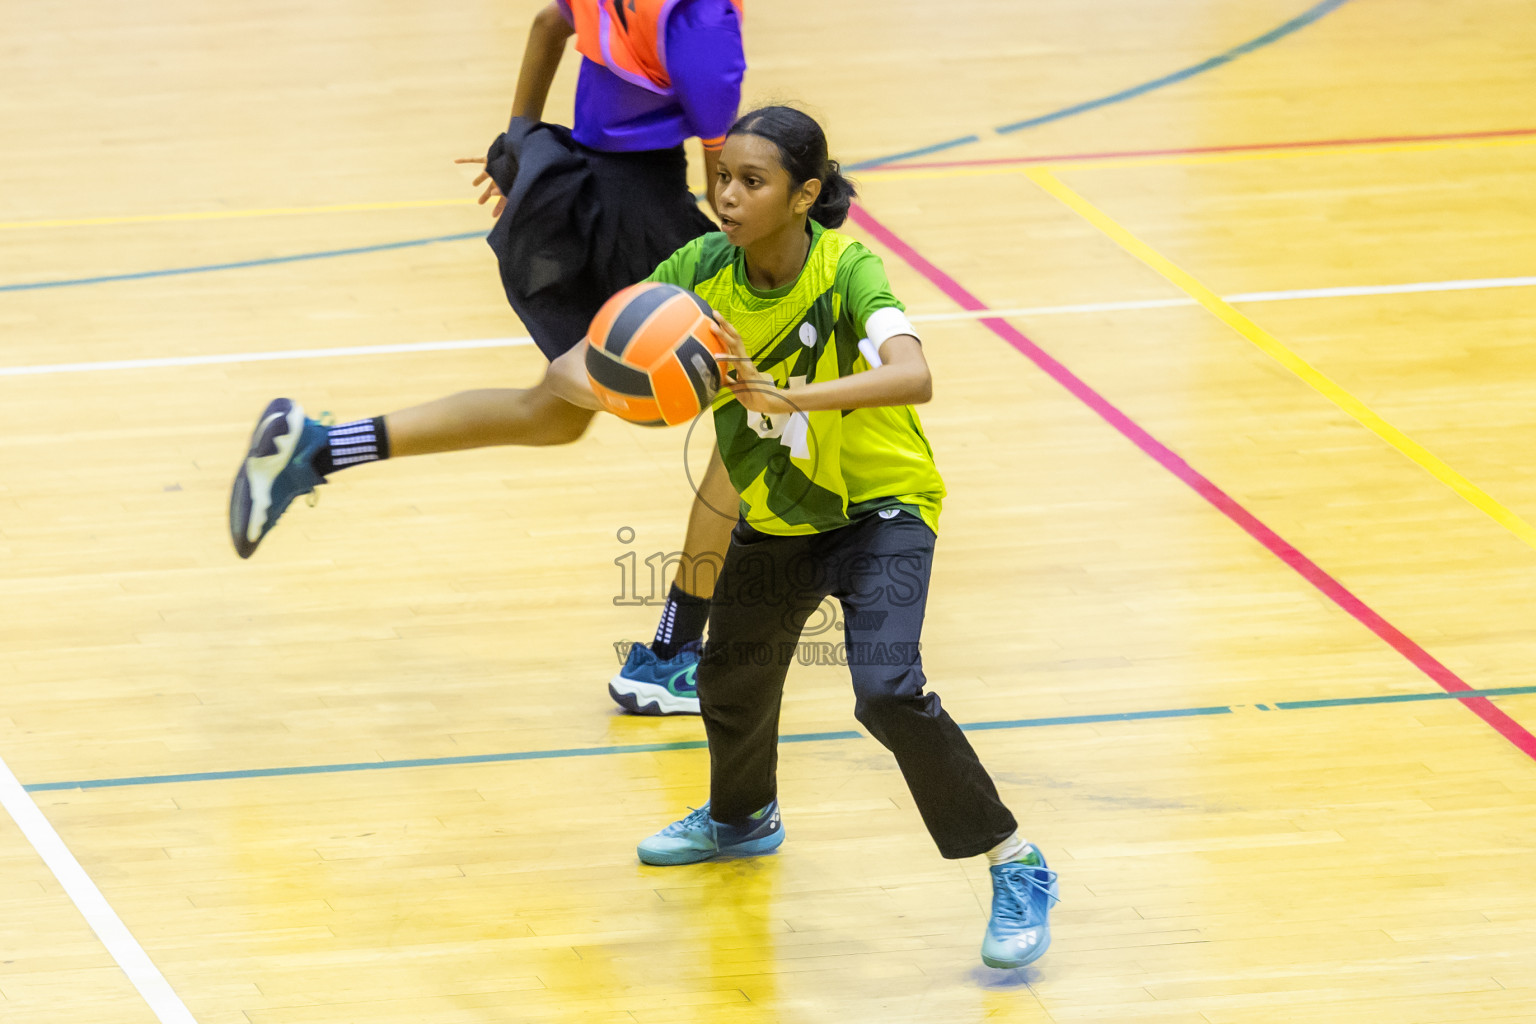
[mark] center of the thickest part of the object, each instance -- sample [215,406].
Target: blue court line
[1397,698]
[416,762]
[267,262]
[804,737]
[1272,36]
[365,766]
[1122,716]
[864,165]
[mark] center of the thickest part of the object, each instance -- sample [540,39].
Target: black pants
[770,586]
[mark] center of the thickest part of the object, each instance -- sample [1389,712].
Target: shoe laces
[1023,896]
[697,821]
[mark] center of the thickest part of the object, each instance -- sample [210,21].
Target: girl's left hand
[753,388]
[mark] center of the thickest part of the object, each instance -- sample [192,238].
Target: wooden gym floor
[1231,310]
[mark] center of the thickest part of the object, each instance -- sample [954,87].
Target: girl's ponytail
[837,194]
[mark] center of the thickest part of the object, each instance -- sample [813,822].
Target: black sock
[683,618]
[353,444]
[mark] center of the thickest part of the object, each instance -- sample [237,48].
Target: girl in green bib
[839,497]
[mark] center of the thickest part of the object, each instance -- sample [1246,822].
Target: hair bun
[837,195]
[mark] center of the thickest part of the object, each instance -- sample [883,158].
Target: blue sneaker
[700,837]
[646,685]
[276,470]
[1022,894]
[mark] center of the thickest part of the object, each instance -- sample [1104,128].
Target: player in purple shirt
[580,214]
[704,68]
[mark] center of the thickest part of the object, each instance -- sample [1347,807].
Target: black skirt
[580,224]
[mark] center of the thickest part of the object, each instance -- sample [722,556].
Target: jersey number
[768,426]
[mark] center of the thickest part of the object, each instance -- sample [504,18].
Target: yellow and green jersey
[800,472]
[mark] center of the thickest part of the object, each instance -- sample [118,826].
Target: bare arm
[711,177]
[541,58]
[902,378]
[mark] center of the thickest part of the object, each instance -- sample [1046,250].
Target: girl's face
[754,193]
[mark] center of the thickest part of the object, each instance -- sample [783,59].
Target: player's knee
[873,709]
[878,703]
[562,425]
[888,680]
[565,432]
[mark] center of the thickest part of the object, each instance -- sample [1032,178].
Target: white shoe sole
[261,471]
[649,699]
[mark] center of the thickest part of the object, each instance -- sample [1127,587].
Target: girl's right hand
[490,190]
[753,388]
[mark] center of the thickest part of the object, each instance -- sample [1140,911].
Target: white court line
[1087,307]
[259,357]
[130,956]
[1299,293]
[1386,289]
[477,343]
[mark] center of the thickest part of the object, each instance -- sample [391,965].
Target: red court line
[1380,140]
[1223,502]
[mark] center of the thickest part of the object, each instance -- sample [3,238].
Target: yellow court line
[1189,159]
[1272,347]
[278,211]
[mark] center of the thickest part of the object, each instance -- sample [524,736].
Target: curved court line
[937,147]
[1193,158]
[1276,350]
[1272,36]
[805,737]
[1363,142]
[1219,499]
[265,262]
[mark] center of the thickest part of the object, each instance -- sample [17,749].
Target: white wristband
[883,325]
[886,323]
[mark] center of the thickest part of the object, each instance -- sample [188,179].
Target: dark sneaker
[277,468]
[646,685]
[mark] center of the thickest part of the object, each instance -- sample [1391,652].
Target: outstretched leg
[555,411]
[290,454]
[490,416]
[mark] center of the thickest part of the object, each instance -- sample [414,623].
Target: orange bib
[627,37]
